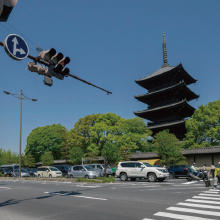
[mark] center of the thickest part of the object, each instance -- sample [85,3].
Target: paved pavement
[173,199]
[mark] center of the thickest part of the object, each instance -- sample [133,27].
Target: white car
[135,169]
[48,171]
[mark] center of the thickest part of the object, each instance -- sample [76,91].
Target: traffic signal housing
[6,7]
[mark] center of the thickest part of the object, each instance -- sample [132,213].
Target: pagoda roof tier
[164,74]
[180,109]
[178,90]
[176,127]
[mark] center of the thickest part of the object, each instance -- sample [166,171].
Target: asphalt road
[173,199]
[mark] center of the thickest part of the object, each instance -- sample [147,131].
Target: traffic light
[47,54]
[60,67]
[6,7]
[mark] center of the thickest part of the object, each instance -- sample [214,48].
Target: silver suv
[135,169]
[83,171]
[100,168]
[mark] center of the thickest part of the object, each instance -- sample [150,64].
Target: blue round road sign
[16,47]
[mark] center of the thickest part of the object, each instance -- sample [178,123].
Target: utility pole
[21,97]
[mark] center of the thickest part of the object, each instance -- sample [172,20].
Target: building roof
[204,150]
[180,108]
[143,155]
[164,74]
[149,155]
[179,90]
[165,125]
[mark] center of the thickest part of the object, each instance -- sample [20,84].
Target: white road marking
[196,211]
[215,190]
[4,187]
[67,194]
[203,201]
[187,183]
[213,195]
[147,219]
[198,205]
[88,186]
[203,197]
[181,217]
[210,192]
[88,197]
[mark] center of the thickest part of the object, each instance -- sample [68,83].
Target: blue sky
[111,43]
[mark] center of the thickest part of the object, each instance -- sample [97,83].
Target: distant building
[167,98]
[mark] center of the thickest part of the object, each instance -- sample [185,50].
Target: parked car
[101,168]
[32,171]
[48,171]
[178,171]
[24,173]
[10,168]
[83,171]
[5,171]
[63,168]
[135,169]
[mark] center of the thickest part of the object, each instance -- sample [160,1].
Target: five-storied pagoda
[167,98]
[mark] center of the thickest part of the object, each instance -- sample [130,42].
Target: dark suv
[63,168]
[178,171]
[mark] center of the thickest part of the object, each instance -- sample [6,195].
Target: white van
[135,169]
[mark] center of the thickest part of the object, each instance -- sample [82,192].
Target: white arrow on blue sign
[16,47]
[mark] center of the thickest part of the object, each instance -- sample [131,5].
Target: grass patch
[98,180]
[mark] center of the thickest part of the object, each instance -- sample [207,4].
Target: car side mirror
[142,166]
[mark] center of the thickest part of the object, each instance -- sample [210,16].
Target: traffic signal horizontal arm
[41,61]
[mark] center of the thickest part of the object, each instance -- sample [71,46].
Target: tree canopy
[48,138]
[203,129]
[168,148]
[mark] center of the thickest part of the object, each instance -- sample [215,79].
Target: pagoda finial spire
[165,63]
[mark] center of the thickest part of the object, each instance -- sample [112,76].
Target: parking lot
[174,198]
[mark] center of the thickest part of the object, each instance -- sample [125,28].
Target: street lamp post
[21,97]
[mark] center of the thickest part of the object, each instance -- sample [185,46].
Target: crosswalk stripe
[202,201]
[203,197]
[196,211]
[215,190]
[198,205]
[181,217]
[210,192]
[213,195]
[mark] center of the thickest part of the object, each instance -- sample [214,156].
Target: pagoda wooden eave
[166,124]
[176,127]
[165,73]
[179,90]
[181,109]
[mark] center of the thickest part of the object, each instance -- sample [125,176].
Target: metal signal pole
[21,97]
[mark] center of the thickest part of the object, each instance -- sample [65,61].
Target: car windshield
[103,166]
[147,164]
[88,168]
[53,169]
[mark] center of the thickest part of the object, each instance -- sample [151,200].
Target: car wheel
[151,177]
[86,176]
[50,176]
[71,176]
[39,176]
[123,177]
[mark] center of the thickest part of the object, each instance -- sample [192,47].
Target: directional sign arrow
[15,49]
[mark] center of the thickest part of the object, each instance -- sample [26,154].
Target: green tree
[168,148]
[8,157]
[28,160]
[133,135]
[80,135]
[47,158]
[110,153]
[203,129]
[48,138]
[76,155]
